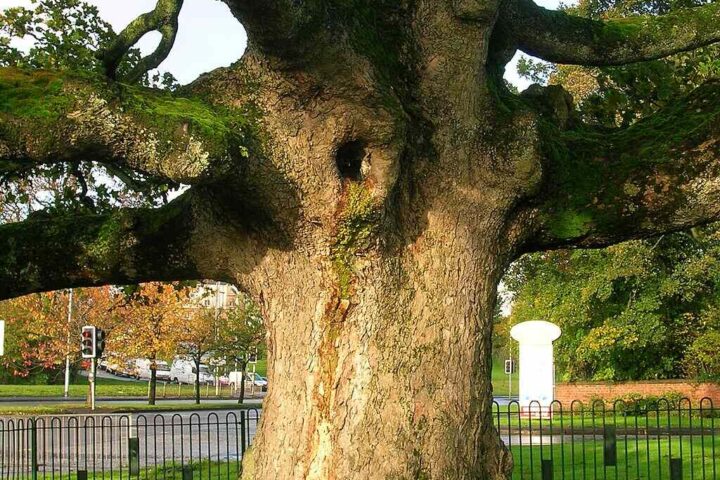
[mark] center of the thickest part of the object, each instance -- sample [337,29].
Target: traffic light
[253,356]
[88,342]
[509,367]
[99,342]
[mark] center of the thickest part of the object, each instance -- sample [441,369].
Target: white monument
[537,369]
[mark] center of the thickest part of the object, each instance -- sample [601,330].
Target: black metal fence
[156,446]
[629,440]
[649,439]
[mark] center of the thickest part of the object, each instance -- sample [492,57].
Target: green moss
[358,221]
[108,242]
[604,174]
[570,224]
[220,130]
[36,94]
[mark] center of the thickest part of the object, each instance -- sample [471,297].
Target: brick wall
[586,391]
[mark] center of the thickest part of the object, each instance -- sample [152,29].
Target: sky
[208,37]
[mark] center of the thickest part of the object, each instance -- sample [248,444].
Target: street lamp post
[67,346]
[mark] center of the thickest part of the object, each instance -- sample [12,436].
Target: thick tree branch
[271,24]
[129,246]
[558,37]
[660,175]
[49,117]
[164,19]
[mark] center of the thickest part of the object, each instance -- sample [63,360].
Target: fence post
[675,469]
[547,469]
[33,449]
[134,455]
[242,433]
[610,446]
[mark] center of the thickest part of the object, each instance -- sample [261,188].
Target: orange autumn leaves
[145,321]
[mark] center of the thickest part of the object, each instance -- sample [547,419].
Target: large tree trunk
[389,375]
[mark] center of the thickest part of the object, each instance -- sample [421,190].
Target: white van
[142,370]
[183,371]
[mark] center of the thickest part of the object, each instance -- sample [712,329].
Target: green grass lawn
[205,470]
[111,387]
[500,380]
[505,417]
[635,460]
[107,387]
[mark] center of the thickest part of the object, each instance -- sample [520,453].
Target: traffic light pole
[91,378]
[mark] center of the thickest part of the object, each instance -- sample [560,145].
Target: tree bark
[196,359]
[153,382]
[243,370]
[391,382]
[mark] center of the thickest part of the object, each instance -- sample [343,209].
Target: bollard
[164,386]
[134,455]
[675,469]
[187,472]
[242,433]
[547,469]
[610,446]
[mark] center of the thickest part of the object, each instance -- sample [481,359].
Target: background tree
[38,335]
[154,317]
[198,338]
[365,174]
[655,296]
[630,311]
[240,333]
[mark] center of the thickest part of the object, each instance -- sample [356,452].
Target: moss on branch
[50,116]
[659,174]
[128,246]
[558,37]
[164,19]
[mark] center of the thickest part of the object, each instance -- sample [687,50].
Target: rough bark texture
[367,178]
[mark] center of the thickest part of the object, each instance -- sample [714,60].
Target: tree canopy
[640,310]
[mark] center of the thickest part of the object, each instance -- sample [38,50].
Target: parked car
[251,379]
[142,370]
[111,364]
[183,371]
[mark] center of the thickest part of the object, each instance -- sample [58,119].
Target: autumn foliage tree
[366,176]
[38,335]
[154,323]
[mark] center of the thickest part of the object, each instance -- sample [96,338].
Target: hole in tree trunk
[349,159]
